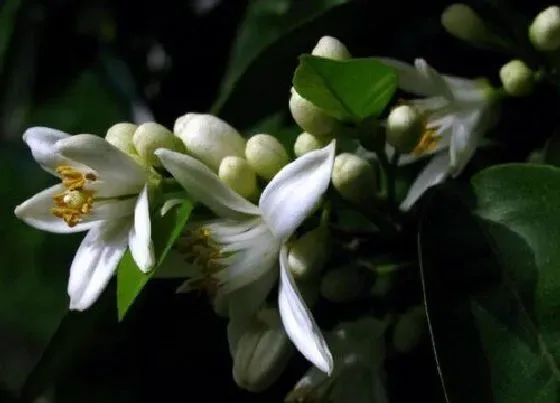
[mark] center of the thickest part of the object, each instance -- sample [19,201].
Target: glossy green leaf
[165,230]
[347,89]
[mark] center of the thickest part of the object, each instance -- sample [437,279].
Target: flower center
[74,202]
[427,144]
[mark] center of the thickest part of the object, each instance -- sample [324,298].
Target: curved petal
[95,263]
[409,78]
[434,173]
[464,139]
[140,235]
[108,161]
[295,191]
[204,185]
[298,320]
[437,81]
[42,142]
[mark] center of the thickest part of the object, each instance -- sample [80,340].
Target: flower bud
[148,137]
[343,284]
[306,142]
[309,117]
[238,175]
[266,155]
[262,352]
[405,126]
[461,21]
[209,138]
[544,31]
[331,48]
[308,254]
[120,135]
[517,79]
[354,178]
[409,329]
[382,286]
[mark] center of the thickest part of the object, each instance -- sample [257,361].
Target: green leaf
[346,89]
[492,286]
[165,230]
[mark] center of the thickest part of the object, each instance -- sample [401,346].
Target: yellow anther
[74,202]
[428,143]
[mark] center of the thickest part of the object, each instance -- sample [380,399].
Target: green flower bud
[331,48]
[306,142]
[382,286]
[461,21]
[262,352]
[238,175]
[266,155]
[354,178]
[517,79]
[544,31]
[308,254]
[311,118]
[148,137]
[405,126]
[120,135]
[209,138]
[343,284]
[409,329]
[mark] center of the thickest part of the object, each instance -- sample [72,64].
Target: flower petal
[95,263]
[464,140]
[109,162]
[298,320]
[42,142]
[409,78]
[434,173]
[295,191]
[140,235]
[437,81]
[204,185]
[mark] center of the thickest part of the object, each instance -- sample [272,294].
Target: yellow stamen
[427,144]
[74,202]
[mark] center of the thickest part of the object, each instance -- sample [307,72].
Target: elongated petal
[295,191]
[95,263]
[409,78]
[204,185]
[108,161]
[298,320]
[140,236]
[437,81]
[434,173]
[464,139]
[42,141]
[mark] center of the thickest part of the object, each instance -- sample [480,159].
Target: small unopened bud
[266,155]
[544,31]
[308,254]
[536,157]
[342,284]
[120,135]
[409,329]
[209,138]
[311,118]
[331,48]
[262,352]
[405,126]
[238,175]
[461,21]
[517,79]
[148,137]
[354,178]
[382,286]
[306,142]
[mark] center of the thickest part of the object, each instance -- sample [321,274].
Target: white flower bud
[517,79]
[309,117]
[306,142]
[308,254]
[148,137]
[120,135]
[262,352]
[266,155]
[238,175]
[461,21]
[331,48]
[409,329]
[544,31]
[209,138]
[343,284]
[405,126]
[354,178]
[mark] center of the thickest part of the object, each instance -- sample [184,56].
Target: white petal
[95,263]
[298,320]
[140,236]
[464,139]
[42,142]
[108,161]
[436,79]
[295,191]
[434,173]
[204,185]
[409,78]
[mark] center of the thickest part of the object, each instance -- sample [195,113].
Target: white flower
[457,113]
[104,192]
[238,254]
